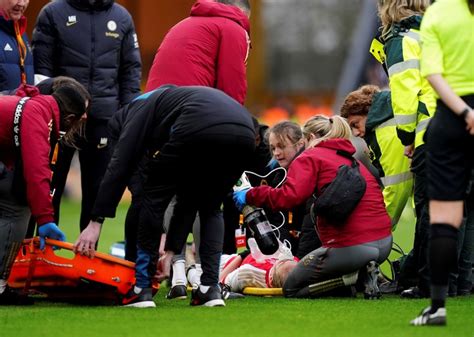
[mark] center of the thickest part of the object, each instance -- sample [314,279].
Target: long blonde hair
[324,128]
[394,11]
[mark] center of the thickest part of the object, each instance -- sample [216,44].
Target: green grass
[112,229]
[252,316]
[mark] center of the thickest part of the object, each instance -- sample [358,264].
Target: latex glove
[50,230]
[85,243]
[240,198]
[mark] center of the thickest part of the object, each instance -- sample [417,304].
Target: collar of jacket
[337,144]
[413,22]
[87,5]
[380,110]
[210,9]
[7,24]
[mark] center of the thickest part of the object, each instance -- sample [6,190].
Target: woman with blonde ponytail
[363,239]
[326,127]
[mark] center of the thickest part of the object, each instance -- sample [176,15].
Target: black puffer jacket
[94,43]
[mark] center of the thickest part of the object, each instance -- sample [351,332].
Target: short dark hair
[243,4]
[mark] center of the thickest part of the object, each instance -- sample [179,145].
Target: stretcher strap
[31,267]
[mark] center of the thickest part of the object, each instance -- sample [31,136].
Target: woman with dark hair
[29,123]
[447,62]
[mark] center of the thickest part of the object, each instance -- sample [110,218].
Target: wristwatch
[99,219]
[464,113]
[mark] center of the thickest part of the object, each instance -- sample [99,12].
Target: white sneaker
[427,318]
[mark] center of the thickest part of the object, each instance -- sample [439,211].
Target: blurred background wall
[306,54]
[301,49]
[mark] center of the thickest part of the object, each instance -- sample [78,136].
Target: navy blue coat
[10,71]
[95,44]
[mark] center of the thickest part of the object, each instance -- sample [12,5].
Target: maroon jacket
[209,48]
[315,168]
[39,121]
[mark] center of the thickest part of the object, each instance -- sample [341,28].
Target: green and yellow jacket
[387,155]
[413,98]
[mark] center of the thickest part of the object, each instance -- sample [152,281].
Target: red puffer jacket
[315,168]
[209,48]
[39,120]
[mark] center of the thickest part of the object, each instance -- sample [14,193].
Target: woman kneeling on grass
[363,239]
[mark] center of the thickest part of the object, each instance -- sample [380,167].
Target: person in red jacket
[363,238]
[209,48]
[29,124]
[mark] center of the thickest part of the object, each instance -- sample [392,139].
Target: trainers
[179,292]
[211,298]
[140,299]
[371,288]
[12,297]
[428,318]
[414,293]
[228,294]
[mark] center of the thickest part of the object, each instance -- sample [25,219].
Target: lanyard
[22,51]
[17,121]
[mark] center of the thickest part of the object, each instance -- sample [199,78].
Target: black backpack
[338,199]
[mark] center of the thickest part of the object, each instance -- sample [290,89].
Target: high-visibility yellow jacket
[387,155]
[413,98]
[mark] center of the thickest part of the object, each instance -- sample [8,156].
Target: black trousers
[94,156]
[200,170]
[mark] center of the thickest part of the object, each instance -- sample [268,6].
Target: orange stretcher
[104,278]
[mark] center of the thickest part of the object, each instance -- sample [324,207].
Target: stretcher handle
[68,246]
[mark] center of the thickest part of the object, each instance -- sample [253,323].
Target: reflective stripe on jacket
[387,155]
[413,98]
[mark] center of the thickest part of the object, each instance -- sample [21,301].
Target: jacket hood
[27,90]
[411,22]
[7,24]
[338,144]
[85,5]
[213,9]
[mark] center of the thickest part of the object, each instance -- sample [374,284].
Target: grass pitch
[251,316]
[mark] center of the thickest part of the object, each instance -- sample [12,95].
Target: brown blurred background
[306,54]
[153,18]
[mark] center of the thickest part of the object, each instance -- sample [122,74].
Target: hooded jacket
[209,48]
[95,44]
[309,173]
[10,69]
[39,122]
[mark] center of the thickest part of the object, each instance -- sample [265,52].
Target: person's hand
[50,230]
[409,149]
[161,250]
[85,244]
[240,198]
[163,269]
[470,122]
